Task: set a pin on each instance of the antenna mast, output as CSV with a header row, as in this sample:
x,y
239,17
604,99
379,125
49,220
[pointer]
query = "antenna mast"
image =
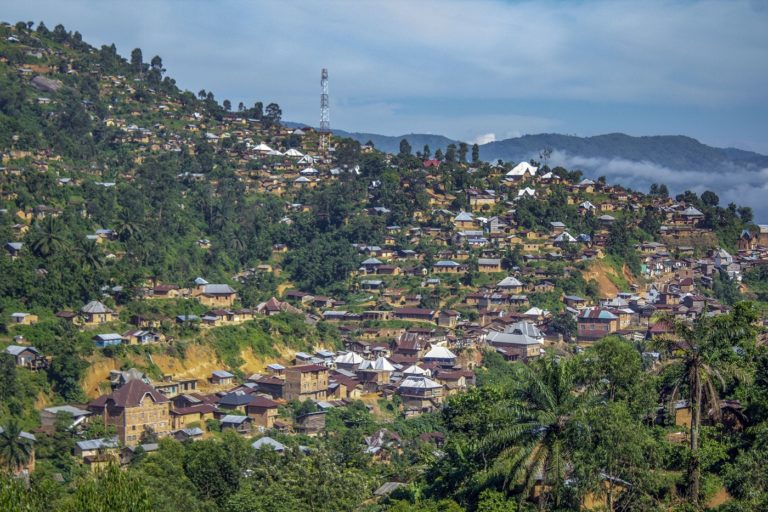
x,y
325,114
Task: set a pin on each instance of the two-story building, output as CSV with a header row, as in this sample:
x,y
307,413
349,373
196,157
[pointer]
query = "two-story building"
x,y
134,409
420,393
596,323
306,382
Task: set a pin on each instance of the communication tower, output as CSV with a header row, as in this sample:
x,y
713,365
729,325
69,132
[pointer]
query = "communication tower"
x,y
325,114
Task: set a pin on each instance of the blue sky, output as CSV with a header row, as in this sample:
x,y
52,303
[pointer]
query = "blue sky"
x,y
470,70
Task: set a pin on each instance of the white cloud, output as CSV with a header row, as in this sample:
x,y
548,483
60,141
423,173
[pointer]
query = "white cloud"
x,y
484,139
732,185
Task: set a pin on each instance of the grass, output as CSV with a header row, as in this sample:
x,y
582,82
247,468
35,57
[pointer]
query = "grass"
x,y
616,276
262,336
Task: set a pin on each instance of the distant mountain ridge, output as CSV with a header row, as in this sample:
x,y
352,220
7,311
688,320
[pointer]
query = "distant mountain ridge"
x,y
671,151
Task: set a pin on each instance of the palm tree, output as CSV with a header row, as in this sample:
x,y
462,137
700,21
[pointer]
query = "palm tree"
x,y
703,355
15,451
531,444
127,228
90,255
47,238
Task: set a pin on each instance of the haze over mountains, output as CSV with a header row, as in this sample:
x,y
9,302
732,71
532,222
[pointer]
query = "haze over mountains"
x,y
679,161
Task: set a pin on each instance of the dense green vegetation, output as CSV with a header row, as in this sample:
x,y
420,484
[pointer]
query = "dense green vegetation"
x,y
559,431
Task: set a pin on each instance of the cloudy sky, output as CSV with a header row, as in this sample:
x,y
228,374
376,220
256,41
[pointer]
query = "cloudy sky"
x,y
474,70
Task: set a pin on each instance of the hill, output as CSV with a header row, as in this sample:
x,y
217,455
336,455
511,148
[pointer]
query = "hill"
x,y
670,151
391,144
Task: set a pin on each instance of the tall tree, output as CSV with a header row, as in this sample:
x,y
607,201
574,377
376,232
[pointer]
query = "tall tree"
x,y
15,450
530,444
272,116
157,63
463,150
704,355
91,257
475,154
137,60
258,110
47,238
405,148
450,153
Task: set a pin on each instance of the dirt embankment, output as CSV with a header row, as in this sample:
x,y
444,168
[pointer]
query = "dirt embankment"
x,y
599,272
96,376
606,277
198,363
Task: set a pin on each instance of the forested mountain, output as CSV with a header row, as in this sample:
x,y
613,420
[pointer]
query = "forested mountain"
x,y
671,151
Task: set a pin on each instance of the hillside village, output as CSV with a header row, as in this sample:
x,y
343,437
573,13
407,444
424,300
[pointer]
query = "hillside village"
x,y
431,262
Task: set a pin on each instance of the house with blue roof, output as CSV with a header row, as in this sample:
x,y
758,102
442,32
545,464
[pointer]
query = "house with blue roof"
x,y
596,323
107,340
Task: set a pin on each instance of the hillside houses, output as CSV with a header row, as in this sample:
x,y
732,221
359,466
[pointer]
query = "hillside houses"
x,y
434,265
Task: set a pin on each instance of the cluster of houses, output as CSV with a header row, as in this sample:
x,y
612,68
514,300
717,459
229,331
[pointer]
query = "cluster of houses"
x,y
418,367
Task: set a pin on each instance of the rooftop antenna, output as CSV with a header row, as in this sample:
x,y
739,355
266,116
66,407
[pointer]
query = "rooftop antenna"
x,y
325,114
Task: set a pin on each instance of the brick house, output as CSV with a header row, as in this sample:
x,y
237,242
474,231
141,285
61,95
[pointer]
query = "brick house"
x,y
215,295
596,323
133,409
306,382
263,411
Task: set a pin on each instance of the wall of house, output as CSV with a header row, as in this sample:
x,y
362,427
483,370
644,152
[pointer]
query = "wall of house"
x,y
217,300
305,385
132,422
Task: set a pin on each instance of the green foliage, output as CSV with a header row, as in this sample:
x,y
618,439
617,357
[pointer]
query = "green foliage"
x,y
299,482
620,244
15,450
109,490
725,289
260,336
564,324
616,365
323,266
495,370
571,420
212,470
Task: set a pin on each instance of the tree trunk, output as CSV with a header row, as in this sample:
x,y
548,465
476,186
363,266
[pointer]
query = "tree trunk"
x,y
694,465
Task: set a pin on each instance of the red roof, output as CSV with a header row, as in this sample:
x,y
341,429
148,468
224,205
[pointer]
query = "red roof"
x,y
263,402
661,327
130,395
348,382
194,409
165,287
307,368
